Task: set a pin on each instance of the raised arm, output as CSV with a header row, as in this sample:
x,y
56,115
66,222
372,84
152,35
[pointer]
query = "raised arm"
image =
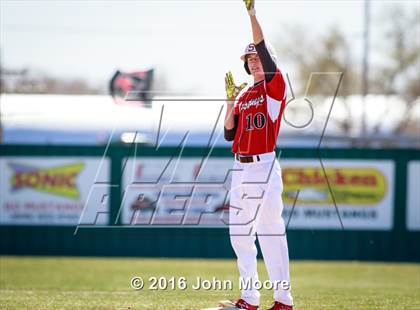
x,y
257,33
266,56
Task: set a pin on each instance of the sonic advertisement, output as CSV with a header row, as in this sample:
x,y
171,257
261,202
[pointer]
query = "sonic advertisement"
x,y
52,191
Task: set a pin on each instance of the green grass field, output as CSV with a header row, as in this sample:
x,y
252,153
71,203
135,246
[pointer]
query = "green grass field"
x,y
104,283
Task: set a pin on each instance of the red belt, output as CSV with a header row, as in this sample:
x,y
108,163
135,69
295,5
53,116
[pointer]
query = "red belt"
x,y
246,159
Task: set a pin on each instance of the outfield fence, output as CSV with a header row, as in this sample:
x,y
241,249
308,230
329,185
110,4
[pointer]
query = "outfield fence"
x,y
341,204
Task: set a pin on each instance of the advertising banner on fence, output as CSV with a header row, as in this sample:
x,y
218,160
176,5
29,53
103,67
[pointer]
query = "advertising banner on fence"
x,y
413,195
357,194
161,191
54,191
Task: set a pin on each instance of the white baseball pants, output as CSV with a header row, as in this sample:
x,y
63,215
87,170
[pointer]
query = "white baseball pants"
x,y
255,210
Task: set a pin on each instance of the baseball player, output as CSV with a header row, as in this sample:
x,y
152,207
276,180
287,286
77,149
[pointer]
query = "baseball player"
x,y
252,122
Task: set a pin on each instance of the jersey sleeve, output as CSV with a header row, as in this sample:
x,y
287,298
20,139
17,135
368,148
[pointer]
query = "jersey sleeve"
x,y
275,84
276,95
276,88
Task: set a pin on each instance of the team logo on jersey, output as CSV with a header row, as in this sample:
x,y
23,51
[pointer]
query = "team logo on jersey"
x,y
59,180
252,102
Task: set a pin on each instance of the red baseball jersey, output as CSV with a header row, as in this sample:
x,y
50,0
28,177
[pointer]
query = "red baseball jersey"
x,y
259,111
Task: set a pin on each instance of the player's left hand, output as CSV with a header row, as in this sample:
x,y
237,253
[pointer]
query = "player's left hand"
x,y
232,91
249,4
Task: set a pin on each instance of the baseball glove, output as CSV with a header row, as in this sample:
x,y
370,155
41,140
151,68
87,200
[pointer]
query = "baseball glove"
x,y
249,4
232,91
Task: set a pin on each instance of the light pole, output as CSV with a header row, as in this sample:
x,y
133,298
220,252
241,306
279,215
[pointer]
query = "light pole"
x,y
365,68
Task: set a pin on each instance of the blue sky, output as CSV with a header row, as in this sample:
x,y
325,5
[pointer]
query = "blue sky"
x,y
193,43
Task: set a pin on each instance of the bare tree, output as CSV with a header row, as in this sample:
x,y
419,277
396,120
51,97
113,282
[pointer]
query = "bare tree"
x,y
399,72
26,81
329,53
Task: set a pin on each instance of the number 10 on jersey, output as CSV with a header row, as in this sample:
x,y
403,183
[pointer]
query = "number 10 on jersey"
x,y
255,121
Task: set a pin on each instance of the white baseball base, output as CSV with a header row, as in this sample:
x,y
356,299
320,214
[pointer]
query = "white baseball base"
x,y
224,305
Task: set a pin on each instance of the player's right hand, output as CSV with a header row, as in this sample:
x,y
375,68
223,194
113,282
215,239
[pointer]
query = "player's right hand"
x,y
232,91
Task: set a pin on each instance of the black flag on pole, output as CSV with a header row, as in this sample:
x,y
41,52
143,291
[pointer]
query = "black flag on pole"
x,y
132,87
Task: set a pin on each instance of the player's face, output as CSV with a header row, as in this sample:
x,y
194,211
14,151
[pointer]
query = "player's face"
x,y
255,65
